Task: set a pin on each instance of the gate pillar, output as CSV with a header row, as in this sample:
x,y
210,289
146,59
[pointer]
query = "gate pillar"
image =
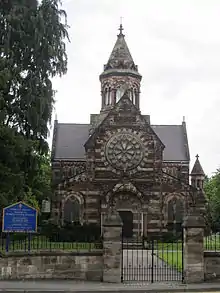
x,y
112,248
193,252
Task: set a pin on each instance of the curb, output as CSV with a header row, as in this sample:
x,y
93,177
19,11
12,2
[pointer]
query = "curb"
x,y
133,290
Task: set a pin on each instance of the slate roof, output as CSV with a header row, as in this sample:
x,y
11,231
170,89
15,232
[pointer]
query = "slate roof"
x,y
70,140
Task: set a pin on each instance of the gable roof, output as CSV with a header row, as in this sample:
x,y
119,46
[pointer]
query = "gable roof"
x,y
70,139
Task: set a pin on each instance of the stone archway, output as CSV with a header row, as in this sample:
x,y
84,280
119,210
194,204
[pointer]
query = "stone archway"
x,y
130,209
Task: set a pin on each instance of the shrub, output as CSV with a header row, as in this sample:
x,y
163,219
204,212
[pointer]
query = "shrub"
x,y
72,232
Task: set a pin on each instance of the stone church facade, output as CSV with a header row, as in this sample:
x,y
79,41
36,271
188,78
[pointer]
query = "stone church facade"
x,y
121,161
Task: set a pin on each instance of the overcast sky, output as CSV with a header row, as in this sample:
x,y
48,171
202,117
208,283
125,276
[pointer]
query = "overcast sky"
x,y
175,43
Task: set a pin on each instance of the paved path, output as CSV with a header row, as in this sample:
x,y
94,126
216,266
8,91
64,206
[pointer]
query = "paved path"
x,y
140,265
62,286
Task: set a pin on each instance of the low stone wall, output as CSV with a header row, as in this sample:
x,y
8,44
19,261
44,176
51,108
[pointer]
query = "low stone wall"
x,y
212,265
53,265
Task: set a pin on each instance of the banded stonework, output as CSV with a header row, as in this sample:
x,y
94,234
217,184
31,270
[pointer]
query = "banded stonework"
x,y
121,161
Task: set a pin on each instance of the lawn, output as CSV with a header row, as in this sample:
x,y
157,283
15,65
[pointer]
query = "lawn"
x,y
210,243
172,258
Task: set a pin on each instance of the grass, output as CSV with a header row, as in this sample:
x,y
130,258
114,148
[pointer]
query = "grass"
x,y
211,243
172,258
43,243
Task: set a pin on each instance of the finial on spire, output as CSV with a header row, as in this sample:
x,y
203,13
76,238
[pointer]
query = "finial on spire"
x,y
184,119
121,28
197,156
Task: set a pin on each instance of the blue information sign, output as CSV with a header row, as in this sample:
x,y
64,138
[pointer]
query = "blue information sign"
x,y
19,217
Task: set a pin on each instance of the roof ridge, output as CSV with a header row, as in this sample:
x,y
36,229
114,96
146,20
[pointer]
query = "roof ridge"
x,y
166,124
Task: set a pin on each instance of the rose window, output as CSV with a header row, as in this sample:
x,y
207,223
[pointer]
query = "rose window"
x,y
124,151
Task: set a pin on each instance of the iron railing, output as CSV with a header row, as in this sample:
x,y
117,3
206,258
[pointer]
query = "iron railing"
x,y
212,242
38,242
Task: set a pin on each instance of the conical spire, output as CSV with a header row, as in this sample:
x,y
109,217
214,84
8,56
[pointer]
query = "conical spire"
x,y
197,168
120,57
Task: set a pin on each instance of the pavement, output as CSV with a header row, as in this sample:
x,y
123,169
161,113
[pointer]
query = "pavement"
x,y
64,286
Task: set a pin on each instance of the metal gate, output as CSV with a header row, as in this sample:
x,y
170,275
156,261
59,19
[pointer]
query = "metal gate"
x,y
152,260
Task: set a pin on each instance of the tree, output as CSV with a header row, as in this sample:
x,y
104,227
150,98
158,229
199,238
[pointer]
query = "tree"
x,y
32,39
212,191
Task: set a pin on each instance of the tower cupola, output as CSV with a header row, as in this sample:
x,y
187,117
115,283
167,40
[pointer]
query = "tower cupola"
x,y
120,74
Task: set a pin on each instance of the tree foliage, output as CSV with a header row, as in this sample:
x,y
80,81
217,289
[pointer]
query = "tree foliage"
x,y
32,41
212,191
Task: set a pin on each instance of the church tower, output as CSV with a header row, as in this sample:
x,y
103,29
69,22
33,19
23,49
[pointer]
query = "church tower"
x,y
120,74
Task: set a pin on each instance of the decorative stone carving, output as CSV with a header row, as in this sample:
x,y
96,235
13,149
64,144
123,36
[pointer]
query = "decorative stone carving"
x,y
124,151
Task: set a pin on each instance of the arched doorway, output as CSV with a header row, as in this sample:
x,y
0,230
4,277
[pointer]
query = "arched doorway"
x,y
126,201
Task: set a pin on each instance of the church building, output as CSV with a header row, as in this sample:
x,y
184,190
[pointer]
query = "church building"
x,y
120,161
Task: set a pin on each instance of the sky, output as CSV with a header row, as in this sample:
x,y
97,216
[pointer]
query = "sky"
x,y
176,45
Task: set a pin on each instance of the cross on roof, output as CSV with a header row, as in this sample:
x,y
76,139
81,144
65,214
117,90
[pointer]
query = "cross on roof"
x,y
197,156
120,27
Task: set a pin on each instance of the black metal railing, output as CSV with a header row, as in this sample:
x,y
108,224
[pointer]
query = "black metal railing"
x,y
38,242
212,242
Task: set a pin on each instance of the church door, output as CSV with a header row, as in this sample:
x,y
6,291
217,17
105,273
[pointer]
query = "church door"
x,y
127,220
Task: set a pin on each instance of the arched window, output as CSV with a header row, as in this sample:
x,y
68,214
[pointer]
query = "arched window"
x,y
106,96
109,96
118,94
135,97
72,210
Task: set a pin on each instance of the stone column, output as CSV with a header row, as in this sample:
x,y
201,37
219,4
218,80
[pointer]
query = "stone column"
x,y
112,248
193,248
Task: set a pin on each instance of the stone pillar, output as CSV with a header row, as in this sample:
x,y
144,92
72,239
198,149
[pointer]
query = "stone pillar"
x,y
193,248
112,248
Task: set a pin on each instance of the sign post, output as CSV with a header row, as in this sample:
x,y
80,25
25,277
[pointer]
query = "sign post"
x,y
19,218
